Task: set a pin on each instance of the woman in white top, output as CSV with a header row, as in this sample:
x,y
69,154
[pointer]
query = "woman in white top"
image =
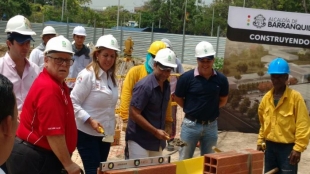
x,y
94,98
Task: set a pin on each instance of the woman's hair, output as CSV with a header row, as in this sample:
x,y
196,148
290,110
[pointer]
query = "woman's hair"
x,y
95,64
7,98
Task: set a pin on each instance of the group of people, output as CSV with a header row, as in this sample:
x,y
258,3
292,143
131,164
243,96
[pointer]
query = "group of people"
x,y
55,116
64,97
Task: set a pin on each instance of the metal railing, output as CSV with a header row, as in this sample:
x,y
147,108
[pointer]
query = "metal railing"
x,y
142,40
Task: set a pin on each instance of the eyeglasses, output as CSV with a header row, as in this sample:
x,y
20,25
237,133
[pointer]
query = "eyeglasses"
x,y
164,68
60,61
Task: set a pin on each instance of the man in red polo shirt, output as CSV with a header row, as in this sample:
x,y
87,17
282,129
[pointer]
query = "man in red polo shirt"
x,y
47,133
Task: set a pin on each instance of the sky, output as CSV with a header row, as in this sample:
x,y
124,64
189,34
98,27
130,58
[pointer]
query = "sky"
x,y
128,4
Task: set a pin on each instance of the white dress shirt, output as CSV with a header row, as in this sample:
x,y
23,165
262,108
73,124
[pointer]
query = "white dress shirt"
x,y
37,57
21,85
94,98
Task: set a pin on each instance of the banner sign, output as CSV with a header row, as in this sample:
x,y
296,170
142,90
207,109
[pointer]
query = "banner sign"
x,y
268,27
255,37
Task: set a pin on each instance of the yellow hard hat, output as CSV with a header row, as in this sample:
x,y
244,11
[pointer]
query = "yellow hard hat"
x,y
156,46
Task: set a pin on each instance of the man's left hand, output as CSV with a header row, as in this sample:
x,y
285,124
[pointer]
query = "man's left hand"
x,y
294,157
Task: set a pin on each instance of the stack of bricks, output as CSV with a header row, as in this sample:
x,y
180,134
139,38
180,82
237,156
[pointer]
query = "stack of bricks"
x,y
157,169
234,162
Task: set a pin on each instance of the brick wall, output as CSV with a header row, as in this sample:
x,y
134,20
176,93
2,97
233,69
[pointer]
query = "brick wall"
x,y
234,162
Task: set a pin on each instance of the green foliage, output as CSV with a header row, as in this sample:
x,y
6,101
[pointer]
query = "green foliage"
x,y
218,64
169,14
14,7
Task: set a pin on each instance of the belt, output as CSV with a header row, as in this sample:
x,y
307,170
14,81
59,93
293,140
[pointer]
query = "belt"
x,y
34,147
200,121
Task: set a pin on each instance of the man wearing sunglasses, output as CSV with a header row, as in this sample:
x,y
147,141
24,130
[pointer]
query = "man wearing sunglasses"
x,y
145,133
201,92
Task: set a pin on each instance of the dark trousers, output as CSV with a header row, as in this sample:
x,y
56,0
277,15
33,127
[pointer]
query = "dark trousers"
x,y
92,151
277,155
29,159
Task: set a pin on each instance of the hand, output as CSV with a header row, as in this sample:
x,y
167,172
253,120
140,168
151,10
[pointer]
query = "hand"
x,y
168,127
95,124
294,157
260,148
162,135
98,171
73,168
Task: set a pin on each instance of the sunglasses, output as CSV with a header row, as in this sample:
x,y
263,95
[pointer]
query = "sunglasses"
x,y
164,68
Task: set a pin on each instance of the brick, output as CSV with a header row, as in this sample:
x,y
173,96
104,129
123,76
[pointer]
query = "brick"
x,y
257,165
228,160
256,155
257,171
234,168
157,169
209,157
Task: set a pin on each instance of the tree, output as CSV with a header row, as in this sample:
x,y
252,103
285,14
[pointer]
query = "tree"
x,y
242,67
246,101
252,112
226,71
234,103
237,77
243,108
260,74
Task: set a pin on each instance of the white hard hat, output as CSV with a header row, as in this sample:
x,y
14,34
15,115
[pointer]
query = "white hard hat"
x,y
204,49
59,44
19,24
166,57
108,41
167,42
79,30
48,30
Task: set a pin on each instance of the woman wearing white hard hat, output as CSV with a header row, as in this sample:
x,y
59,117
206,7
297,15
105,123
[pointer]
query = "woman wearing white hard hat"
x,y
94,98
47,136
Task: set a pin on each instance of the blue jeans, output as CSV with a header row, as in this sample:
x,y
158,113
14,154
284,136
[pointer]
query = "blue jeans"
x,y
276,155
92,151
193,132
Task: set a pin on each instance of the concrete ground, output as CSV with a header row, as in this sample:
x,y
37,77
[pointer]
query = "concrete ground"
x,y
227,141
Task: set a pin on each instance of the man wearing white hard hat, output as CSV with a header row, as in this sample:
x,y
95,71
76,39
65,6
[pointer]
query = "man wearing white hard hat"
x,y
81,55
145,134
36,55
173,82
201,92
14,65
46,136
94,98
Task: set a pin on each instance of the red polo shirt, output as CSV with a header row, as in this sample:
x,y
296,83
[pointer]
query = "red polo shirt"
x,y
47,111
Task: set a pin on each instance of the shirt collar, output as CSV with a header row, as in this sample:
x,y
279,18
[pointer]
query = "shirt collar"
x,y
154,82
196,72
101,72
285,94
10,61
